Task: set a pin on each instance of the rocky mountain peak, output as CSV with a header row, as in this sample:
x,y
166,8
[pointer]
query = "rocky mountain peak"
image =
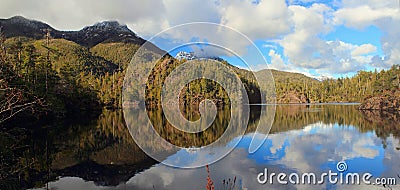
x,y
107,26
185,55
101,32
19,19
20,26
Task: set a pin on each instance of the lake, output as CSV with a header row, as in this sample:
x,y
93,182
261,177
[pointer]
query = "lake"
x,y
101,154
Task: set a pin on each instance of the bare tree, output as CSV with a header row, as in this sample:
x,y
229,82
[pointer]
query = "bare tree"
x,y
3,54
14,103
13,100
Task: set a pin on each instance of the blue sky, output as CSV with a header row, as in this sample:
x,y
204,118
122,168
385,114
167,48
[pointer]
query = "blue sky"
x,y
368,35
314,37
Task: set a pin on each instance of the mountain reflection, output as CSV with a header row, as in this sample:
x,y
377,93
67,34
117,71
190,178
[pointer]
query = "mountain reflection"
x,y
303,138
316,148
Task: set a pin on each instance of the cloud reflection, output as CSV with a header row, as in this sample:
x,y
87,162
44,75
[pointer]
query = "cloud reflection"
x,y
316,148
295,145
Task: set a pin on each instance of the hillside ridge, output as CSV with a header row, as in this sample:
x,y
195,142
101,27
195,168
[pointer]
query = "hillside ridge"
x,y
89,36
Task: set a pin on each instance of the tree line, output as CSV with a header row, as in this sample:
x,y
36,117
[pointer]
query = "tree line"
x,y
59,77
363,85
54,77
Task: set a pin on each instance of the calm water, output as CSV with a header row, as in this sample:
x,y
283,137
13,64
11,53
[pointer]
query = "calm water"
x,y
101,154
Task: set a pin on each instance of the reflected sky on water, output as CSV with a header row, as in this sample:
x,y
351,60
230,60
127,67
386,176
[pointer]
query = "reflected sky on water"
x,y
303,139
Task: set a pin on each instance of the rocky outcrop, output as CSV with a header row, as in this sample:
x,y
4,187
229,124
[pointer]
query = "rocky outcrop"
x,y
292,98
384,123
388,102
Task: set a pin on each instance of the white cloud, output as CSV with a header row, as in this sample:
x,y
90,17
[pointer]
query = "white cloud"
x,y
264,20
362,16
182,11
363,49
384,15
305,48
271,46
375,4
343,60
299,30
276,61
303,43
267,19
74,15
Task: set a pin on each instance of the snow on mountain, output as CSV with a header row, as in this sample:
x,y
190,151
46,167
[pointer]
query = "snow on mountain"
x,y
185,55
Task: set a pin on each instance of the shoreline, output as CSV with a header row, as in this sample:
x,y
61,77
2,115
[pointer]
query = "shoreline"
x,y
277,104
323,103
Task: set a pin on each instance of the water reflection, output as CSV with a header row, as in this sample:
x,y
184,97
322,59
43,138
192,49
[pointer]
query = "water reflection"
x,y
303,140
312,138
99,150
316,150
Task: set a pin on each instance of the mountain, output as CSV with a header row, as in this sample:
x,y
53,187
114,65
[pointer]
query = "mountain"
x,y
322,78
20,26
185,55
103,32
99,34
100,53
283,76
90,36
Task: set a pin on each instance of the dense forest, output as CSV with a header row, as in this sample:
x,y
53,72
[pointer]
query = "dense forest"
x,y
52,74
55,77
48,75
297,88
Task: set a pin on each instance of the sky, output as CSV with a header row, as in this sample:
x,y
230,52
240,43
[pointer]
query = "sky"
x,y
314,37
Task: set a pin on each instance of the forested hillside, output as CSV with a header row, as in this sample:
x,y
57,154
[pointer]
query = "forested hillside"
x,y
297,88
48,72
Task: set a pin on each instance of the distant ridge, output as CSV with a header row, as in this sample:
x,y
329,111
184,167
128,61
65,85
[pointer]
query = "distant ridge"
x,y
89,36
112,31
20,26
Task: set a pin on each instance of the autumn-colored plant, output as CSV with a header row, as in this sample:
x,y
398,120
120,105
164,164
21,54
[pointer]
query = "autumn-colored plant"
x,y
210,182
228,184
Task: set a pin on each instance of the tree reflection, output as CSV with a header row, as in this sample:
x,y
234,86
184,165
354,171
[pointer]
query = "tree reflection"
x,y
102,150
